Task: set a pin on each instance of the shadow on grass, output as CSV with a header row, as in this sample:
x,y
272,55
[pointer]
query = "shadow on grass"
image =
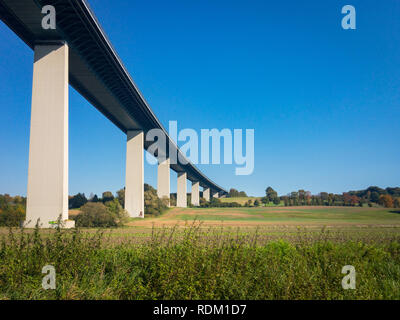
x,y
395,211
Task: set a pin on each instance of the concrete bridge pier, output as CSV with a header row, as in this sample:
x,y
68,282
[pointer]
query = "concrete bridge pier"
x,y
215,195
47,194
163,180
134,180
195,198
206,194
181,194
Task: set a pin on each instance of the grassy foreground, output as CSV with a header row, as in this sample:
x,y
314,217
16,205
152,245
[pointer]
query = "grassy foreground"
x,y
196,263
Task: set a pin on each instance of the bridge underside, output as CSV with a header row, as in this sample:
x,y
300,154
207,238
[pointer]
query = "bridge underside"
x,y
93,69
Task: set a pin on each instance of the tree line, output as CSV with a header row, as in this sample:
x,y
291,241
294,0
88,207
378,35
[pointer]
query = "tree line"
x,y
372,196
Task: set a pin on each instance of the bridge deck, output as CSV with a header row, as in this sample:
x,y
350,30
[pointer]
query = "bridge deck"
x,y
96,71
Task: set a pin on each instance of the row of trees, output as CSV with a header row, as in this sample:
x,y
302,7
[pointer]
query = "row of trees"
x,y
78,200
233,193
389,197
152,204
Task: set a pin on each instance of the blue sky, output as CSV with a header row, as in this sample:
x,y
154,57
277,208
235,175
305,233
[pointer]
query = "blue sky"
x,y
324,102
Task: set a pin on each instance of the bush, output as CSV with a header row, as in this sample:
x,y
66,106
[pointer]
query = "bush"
x,y
152,203
98,215
12,216
217,203
120,216
12,210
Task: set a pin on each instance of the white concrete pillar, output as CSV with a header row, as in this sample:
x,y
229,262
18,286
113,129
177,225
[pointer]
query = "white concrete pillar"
x,y
47,195
134,180
195,198
181,194
163,180
215,195
206,194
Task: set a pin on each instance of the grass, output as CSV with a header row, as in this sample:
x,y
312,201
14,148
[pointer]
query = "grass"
x,y
275,253
282,215
197,263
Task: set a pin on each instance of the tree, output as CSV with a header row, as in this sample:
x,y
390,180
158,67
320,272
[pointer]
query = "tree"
x,y
256,203
375,196
77,201
233,193
346,198
386,201
276,201
119,215
242,194
107,196
121,197
271,194
265,200
294,196
354,200
396,202
152,203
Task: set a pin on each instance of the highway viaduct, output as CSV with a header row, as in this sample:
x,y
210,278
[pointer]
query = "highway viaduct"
x,y
78,53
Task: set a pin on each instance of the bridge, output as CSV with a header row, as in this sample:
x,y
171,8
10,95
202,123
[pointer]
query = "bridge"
x,y
77,52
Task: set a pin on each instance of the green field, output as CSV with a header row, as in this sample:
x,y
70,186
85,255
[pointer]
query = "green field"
x,y
280,215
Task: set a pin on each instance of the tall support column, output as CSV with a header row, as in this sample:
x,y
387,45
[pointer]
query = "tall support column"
x,y
181,195
163,180
215,195
134,181
47,195
206,194
195,198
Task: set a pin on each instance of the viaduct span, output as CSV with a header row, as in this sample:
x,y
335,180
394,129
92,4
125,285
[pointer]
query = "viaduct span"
x,y
77,52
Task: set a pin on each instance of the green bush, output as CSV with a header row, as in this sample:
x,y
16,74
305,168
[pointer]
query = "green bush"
x,y
98,215
217,203
153,205
12,216
12,210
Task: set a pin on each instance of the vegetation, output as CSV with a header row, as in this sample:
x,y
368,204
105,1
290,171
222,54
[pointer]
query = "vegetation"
x,y
195,263
77,201
289,216
98,215
233,193
217,203
12,210
372,196
152,203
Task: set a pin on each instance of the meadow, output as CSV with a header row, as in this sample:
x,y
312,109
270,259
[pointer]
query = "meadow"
x,y
212,253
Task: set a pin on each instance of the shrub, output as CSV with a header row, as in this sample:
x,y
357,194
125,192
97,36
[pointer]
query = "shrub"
x,y
12,215
216,203
152,203
97,215
120,216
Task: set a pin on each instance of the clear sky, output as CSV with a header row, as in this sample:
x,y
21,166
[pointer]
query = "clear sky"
x,y
324,102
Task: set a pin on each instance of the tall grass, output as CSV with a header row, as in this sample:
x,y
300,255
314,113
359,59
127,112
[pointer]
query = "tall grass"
x,y
193,263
